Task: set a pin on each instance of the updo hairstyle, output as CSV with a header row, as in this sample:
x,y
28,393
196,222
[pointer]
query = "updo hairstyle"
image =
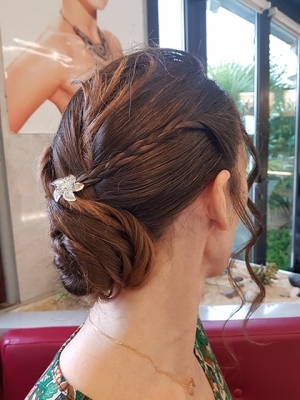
x,y
146,135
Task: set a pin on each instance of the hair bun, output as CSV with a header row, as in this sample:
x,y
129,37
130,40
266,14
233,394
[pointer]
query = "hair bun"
x,y
71,273
100,250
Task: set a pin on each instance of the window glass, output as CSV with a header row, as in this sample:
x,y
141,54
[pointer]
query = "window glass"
x,y
171,24
231,60
231,55
283,73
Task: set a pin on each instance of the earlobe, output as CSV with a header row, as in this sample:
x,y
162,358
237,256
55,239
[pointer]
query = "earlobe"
x,y
217,205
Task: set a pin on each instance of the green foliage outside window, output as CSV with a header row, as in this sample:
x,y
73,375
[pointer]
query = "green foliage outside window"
x,y
238,79
279,247
235,79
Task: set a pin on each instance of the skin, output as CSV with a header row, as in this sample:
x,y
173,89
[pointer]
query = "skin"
x,y
44,69
159,319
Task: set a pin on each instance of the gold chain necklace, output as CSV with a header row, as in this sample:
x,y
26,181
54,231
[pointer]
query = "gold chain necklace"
x,y
190,386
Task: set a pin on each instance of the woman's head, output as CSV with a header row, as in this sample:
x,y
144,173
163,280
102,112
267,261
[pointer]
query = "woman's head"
x,y
146,135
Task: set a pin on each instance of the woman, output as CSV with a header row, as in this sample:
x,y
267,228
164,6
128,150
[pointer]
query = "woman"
x,y
68,47
145,182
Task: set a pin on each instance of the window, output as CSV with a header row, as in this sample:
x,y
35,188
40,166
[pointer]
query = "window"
x,y
231,60
281,145
235,43
171,24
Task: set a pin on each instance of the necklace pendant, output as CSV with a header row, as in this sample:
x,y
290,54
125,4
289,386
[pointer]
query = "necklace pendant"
x,y
192,387
99,50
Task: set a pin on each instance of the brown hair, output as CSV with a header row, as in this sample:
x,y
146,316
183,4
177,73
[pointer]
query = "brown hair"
x,y
145,135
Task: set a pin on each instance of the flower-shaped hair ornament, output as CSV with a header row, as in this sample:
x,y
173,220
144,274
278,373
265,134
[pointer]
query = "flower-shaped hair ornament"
x,y
66,187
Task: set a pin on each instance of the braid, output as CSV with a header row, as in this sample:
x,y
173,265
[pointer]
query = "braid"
x,y
138,150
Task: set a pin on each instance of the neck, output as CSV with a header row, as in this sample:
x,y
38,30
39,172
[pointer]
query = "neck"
x,y
160,318
83,17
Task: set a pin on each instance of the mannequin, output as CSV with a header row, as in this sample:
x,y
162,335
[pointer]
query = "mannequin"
x,y
45,69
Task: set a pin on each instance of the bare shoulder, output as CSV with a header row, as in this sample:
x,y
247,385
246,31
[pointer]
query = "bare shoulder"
x,y
113,43
63,43
49,52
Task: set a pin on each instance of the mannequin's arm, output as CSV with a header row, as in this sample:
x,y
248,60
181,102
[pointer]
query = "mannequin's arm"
x,y
31,78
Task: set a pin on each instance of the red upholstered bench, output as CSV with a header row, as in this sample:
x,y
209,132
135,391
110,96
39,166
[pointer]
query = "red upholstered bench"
x,y
25,354
264,372
269,371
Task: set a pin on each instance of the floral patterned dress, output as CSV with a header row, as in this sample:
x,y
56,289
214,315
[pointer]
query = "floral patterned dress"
x,y
53,386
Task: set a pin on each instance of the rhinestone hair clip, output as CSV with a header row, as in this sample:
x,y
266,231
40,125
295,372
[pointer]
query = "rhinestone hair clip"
x,y
66,187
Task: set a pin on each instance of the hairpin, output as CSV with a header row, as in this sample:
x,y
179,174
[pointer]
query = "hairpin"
x,y
66,187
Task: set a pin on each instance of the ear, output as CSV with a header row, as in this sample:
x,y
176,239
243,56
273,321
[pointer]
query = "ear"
x,y
217,200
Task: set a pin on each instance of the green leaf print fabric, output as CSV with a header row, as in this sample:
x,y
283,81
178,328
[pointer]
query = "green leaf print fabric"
x,y
53,386
210,365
